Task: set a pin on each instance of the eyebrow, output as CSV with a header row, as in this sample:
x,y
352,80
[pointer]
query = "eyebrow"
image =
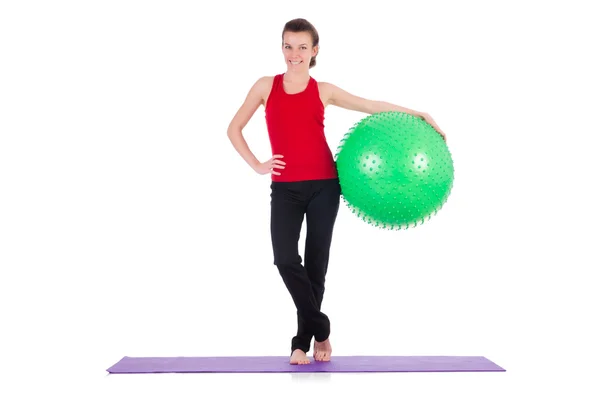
x,y
298,44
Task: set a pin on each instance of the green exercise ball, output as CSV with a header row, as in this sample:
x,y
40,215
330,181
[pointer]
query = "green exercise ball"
x,y
395,170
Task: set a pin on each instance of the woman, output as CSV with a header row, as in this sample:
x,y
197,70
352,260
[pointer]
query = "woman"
x,y
304,175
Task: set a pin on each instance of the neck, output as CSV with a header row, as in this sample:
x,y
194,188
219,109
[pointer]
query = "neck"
x,y
297,76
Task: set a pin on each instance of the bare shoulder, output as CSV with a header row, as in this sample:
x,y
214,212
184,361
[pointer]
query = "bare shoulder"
x,y
325,86
257,95
265,81
263,86
334,95
326,91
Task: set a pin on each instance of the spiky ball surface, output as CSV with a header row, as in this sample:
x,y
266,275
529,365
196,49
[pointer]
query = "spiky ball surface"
x,y
395,170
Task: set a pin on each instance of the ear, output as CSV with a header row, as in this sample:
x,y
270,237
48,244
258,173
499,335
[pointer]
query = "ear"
x,y
315,51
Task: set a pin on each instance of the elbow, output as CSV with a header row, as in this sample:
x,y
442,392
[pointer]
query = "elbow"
x,y
233,131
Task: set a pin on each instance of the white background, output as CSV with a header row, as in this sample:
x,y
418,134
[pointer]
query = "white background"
x,y
130,226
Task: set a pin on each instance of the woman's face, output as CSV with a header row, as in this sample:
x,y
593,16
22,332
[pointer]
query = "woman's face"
x,y
298,50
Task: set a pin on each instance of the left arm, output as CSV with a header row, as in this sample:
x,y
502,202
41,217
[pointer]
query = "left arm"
x,y
338,97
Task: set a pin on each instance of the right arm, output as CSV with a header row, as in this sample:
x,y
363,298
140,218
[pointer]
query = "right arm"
x,y
234,132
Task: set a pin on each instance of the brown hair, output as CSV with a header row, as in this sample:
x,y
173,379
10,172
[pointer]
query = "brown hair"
x,y
302,25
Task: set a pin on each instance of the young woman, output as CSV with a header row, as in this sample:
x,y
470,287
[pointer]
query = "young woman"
x,y
304,176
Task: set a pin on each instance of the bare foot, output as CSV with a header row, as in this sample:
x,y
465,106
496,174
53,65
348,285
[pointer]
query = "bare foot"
x,y
322,350
299,357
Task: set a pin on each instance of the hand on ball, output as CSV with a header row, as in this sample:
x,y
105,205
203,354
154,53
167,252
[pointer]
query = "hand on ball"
x,y
429,120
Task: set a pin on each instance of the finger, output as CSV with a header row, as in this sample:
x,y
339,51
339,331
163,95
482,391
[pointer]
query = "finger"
x,y
275,172
278,162
277,166
277,156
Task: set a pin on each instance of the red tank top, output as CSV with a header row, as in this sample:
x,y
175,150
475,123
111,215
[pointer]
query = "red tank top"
x,y
295,123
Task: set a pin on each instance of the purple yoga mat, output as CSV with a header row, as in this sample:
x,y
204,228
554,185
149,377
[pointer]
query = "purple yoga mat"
x,y
137,365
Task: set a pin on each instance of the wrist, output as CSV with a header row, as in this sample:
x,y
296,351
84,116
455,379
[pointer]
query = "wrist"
x,y
254,164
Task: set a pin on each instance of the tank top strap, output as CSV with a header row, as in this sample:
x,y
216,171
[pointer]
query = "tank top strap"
x,y
313,88
313,91
278,83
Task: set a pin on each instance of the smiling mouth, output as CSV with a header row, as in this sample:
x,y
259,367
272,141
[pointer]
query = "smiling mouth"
x,y
296,63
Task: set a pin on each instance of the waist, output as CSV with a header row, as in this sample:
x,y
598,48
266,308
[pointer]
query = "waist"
x,y
296,171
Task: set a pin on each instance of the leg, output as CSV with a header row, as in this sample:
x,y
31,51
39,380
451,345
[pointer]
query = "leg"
x,y
288,205
321,215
